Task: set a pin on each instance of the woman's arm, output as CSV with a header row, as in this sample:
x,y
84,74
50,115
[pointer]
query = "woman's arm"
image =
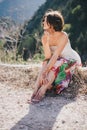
x,y
62,42
46,48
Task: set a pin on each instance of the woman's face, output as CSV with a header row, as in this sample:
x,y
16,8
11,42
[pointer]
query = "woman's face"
x,y
46,25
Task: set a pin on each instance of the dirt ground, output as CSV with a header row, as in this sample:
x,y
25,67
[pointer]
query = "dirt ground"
x,y
67,111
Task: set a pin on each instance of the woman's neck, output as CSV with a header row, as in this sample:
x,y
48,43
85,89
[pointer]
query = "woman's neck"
x,y
52,32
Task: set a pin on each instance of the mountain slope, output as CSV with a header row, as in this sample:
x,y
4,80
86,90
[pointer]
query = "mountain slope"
x,y
19,10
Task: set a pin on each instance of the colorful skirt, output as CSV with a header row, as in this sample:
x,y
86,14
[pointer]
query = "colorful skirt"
x,y
63,70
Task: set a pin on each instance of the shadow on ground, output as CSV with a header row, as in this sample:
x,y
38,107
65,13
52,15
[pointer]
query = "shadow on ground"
x,y
44,115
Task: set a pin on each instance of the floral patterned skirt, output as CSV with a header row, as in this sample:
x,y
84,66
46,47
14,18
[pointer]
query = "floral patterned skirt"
x,y
63,70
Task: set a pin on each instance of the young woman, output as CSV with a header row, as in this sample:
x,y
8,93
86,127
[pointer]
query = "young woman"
x,y
60,59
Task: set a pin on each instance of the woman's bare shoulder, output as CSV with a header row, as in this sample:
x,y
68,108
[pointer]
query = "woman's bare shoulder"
x,y
64,36
63,39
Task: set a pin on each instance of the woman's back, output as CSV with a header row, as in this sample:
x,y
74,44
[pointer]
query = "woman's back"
x,y
68,52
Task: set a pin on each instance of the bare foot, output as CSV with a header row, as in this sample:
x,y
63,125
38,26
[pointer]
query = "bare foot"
x,y
39,95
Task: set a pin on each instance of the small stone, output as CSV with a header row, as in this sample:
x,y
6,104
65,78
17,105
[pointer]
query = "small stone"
x,y
76,121
21,127
63,122
57,127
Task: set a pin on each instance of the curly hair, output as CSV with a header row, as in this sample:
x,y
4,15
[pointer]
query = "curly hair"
x,y
55,19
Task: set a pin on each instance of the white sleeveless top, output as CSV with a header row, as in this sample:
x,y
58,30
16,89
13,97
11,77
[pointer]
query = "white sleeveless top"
x,y
68,53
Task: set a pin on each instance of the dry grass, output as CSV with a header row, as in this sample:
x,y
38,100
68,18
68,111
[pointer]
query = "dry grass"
x,y
24,77
18,77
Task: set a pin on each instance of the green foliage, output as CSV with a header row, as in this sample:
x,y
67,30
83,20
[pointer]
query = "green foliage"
x,y
78,29
29,43
27,47
1,44
76,9
67,27
38,57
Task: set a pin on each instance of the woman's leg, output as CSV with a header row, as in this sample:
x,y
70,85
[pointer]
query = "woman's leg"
x,y
42,90
38,82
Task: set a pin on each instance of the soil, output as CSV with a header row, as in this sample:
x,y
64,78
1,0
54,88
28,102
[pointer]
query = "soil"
x,y
66,111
